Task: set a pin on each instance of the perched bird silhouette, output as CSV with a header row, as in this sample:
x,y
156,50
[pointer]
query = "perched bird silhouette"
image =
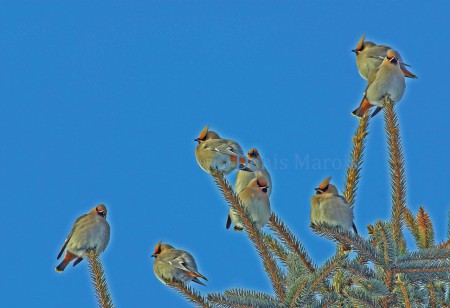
x,y
255,199
216,154
175,264
89,232
329,207
370,55
386,80
244,177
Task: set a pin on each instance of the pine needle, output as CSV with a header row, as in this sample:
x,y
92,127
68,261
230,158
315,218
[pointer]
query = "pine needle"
x,y
188,293
397,171
356,160
255,235
99,280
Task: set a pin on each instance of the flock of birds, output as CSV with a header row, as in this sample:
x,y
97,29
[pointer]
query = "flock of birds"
x,y
385,73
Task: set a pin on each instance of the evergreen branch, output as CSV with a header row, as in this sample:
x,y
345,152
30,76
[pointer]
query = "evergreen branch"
x,y
362,298
425,271
397,172
99,280
411,224
356,160
276,247
188,293
358,270
250,298
289,239
448,225
425,227
432,296
374,287
220,300
327,301
270,265
405,295
321,274
444,245
295,289
383,236
425,255
342,236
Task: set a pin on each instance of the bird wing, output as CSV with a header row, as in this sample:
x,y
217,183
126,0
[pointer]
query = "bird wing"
x,y
70,235
343,199
371,78
223,146
180,259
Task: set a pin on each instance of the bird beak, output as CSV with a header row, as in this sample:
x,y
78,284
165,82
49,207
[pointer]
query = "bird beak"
x,y
153,256
197,139
264,188
355,51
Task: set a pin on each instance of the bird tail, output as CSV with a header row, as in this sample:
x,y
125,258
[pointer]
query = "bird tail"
x,y
406,72
61,266
241,161
198,281
362,108
228,222
67,259
376,111
195,276
354,228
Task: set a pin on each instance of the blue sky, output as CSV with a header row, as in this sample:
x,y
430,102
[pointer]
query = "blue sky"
x,y
101,102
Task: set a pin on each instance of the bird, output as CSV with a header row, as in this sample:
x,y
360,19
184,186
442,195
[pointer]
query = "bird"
x,y
244,177
327,206
175,264
255,199
216,154
386,80
90,231
370,55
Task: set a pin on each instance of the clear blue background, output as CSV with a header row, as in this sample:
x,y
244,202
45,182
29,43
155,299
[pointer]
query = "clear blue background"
x,y
100,102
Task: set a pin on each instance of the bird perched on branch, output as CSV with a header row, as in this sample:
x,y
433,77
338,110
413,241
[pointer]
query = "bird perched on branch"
x,y
216,154
386,80
329,207
370,55
175,264
89,232
244,177
255,199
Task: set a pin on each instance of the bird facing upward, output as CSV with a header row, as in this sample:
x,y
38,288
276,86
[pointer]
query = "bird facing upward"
x,y
386,80
255,199
244,177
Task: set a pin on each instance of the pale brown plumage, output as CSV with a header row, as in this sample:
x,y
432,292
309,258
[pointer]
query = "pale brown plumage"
x,y
255,199
175,264
216,154
90,231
